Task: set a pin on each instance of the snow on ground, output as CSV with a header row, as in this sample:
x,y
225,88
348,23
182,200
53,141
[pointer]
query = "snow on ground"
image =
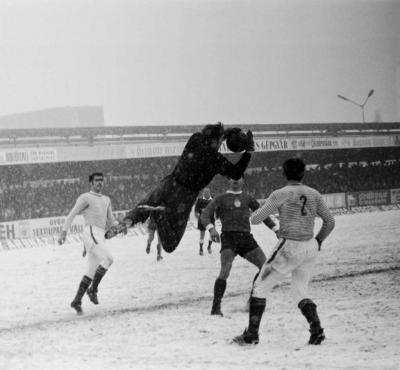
x,y
155,315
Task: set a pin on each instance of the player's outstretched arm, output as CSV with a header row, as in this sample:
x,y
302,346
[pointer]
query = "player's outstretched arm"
x,y
236,170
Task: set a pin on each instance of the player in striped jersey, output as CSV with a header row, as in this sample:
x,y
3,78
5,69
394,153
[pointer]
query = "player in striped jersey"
x,y
97,213
298,205
233,208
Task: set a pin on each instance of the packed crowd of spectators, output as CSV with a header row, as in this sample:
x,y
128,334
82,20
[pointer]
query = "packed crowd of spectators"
x,y
46,190
331,179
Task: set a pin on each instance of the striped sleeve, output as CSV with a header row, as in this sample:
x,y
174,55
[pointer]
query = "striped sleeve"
x,y
268,208
328,221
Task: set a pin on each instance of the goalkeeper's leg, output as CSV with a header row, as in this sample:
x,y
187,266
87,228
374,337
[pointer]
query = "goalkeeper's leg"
x,y
136,215
121,228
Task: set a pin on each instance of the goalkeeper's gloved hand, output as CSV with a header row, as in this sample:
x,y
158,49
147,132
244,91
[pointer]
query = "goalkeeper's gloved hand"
x,y
250,142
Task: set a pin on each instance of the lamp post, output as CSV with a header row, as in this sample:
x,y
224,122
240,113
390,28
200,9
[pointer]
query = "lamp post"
x,y
358,104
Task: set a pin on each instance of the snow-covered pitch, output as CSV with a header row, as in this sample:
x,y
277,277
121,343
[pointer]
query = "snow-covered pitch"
x,y
156,315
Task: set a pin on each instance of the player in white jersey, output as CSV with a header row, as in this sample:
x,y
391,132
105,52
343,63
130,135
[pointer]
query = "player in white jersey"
x,y
97,213
298,205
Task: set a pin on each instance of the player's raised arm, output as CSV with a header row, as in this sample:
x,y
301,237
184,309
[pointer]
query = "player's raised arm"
x,y
231,170
328,221
236,171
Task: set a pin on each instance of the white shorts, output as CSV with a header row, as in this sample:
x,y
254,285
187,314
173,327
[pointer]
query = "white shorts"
x,y
97,251
288,255
92,236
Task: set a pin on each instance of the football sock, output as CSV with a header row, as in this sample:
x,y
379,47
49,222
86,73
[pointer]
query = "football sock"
x,y
257,307
100,272
309,310
219,290
83,286
159,249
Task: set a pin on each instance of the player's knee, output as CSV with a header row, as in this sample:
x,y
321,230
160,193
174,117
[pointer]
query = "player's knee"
x,y
225,271
90,274
258,290
265,272
108,261
299,293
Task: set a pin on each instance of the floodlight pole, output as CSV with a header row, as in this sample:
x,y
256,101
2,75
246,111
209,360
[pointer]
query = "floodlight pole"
x,y
362,106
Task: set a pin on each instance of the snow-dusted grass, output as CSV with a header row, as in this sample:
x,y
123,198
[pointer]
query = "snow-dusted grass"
x,y
155,315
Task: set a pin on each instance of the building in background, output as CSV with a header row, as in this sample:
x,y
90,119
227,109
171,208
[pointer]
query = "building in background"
x,y
58,117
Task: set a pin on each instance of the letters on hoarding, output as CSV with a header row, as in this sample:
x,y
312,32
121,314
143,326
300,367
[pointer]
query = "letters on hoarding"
x,y
336,200
368,198
164,148
373,198
28,155
38,228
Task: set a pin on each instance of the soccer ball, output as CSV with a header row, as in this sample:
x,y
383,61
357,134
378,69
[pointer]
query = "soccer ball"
x,y
236,141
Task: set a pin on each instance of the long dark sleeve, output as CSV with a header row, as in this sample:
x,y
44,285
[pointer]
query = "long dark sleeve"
x,y
234,170
197,207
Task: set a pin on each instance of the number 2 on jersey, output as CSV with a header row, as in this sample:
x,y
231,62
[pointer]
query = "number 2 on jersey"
x,y
303,211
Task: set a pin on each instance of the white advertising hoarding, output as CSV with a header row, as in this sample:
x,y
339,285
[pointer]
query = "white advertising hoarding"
x,y
164,148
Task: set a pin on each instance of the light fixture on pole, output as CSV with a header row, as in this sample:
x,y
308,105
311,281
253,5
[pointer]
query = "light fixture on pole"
x,y
358,104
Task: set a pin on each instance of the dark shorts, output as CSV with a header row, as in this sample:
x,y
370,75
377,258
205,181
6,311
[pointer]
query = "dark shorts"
x,y
240,243
171,223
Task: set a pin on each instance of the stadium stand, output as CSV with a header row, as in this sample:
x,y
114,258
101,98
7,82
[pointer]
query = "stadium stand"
x,y
46,190
35,190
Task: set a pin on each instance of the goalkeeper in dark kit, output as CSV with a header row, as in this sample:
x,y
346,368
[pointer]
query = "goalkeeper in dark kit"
x,y
172,200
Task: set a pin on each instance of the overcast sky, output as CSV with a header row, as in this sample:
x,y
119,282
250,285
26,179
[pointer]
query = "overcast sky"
x,y
200,61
